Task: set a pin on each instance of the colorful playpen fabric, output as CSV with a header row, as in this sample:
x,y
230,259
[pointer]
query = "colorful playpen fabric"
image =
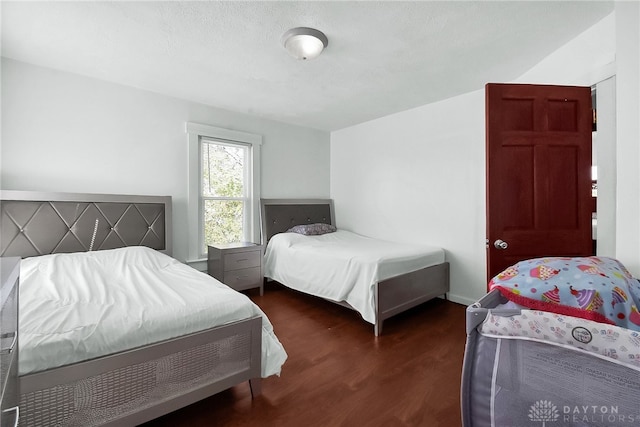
x,y
594,288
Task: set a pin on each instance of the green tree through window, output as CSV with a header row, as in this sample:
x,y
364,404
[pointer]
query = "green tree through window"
x,y
224,191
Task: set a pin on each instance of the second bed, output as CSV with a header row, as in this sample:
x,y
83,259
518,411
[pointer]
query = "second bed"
x,y
377,278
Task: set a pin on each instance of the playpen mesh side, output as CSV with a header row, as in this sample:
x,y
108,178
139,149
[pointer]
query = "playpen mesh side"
x,y
113,394
511,382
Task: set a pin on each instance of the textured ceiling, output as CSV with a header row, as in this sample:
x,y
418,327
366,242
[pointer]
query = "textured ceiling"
x,y
383,57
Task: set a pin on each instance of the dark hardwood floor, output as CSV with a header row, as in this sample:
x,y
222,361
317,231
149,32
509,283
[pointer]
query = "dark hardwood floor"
x,y
339,374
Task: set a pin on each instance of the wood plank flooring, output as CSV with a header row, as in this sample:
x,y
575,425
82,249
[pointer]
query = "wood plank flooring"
x,y
339,374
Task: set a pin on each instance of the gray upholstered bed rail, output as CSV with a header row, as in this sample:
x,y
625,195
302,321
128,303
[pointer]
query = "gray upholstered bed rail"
x,y
39,223
279,215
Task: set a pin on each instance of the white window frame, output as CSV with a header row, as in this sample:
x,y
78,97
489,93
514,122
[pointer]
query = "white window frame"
x,y
196,132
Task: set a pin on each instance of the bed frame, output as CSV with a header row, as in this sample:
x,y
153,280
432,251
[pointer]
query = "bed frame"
x,y
392,296
134,386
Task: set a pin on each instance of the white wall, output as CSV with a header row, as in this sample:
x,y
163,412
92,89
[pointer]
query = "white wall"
x,y
418,176
628,134
67,133
585,60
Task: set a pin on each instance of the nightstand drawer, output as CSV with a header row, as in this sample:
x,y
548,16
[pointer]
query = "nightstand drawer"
x,y
239,260
243,279
237,265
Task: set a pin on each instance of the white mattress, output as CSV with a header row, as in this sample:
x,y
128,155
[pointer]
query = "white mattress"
x,y
343,266
79,306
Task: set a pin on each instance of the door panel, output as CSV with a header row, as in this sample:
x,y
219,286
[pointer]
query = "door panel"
x,y
538,172
517,191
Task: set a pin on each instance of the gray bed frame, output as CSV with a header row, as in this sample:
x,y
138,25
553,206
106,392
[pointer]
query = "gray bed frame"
x,y
134,386
392,296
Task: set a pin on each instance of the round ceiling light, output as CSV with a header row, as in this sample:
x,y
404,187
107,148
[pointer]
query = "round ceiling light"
x,y
304,43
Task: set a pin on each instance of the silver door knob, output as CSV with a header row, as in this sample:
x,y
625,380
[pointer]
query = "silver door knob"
x,y
500,244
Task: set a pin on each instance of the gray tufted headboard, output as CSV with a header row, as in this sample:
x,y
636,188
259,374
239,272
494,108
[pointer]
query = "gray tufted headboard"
x,y
39,223
279,215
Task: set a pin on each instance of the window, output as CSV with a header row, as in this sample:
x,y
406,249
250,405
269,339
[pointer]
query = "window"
x,y
224,191
223,187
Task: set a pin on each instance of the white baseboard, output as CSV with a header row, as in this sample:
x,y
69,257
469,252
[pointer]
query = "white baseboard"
x,y
460,299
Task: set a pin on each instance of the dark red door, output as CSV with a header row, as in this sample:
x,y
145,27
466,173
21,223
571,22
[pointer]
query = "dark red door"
x,y
538,171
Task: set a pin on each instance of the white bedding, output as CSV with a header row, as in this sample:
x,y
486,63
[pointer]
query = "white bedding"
x,y
343,266
79,306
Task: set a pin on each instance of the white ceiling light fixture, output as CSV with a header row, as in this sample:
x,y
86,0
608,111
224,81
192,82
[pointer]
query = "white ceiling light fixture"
x,y
304,43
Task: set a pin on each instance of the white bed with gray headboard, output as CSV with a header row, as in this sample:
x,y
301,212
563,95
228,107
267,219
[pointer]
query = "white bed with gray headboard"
x,y
377,278
70,238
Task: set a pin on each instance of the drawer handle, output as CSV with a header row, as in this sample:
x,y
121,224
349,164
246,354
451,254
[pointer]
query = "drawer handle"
x,y
242,277
15,409
242,260
9,349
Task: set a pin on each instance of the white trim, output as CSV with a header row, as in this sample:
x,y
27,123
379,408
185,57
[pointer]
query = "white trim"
x,y
605,146
195,131
459,299
602,73
222,133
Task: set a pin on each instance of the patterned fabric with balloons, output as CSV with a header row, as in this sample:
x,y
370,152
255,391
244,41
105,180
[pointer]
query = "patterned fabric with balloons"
x,y
594,288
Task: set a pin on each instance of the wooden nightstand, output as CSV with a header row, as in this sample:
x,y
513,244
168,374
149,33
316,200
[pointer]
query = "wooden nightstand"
x,y
237,265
